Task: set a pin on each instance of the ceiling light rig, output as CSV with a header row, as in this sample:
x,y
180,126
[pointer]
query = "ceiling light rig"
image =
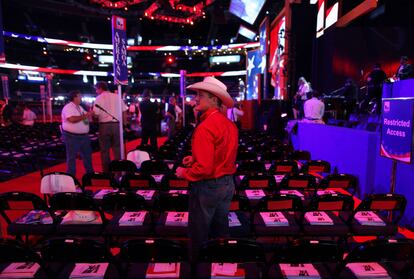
x,y
117,4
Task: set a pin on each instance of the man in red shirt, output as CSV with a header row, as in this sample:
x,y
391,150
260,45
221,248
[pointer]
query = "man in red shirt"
x,y
211,166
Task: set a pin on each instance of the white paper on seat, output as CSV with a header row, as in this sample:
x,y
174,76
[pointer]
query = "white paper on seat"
x,y
318,218
255,194
130,218
79,217
89,270
20,270
325,192
369,218
177,219
368,270
297,271
291,192
101,193
163,270
279,177
274,219
180,192
226,269
157,177
233,220
147,194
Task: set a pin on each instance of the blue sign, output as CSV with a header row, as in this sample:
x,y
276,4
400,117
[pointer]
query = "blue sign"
x,y
119,43
397,129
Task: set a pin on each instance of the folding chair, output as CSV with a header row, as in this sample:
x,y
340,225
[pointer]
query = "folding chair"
x,y
58,182
239,217
256,186
278,215
303,185
272,155
250,167
246,156
122,166
280,168
138,156
65,254
173,214
82,216
306,257
316,166
171,181
336,208
156,169
244,257
142,257
378,214
299,155
15,255
394,256
26,214
130,216
340,181
143,184
93,183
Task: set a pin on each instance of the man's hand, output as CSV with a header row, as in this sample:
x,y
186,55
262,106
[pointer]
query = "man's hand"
x,y
179,172
188,161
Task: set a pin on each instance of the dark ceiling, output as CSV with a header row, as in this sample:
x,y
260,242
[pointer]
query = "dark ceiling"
x,y
87,21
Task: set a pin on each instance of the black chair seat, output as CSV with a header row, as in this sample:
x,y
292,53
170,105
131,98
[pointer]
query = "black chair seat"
x,y
252,270
139,270
113,227
261,229
66,270
162,230
388,229
244,229
80,229
339,228
323,270
33,229
40,274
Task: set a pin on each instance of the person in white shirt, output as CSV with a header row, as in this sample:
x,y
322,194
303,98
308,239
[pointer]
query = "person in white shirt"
x,y
300,97
314,109
106,110
75,129
234,114
29,116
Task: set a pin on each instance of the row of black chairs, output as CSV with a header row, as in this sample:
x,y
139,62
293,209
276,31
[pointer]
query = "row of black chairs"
x,y
278,215
57,258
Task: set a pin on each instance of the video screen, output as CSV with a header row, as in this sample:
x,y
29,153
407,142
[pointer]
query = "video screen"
x,y
247,10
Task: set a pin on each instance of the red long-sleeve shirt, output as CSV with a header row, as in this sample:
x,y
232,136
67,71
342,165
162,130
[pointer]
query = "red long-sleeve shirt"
x,y
214,147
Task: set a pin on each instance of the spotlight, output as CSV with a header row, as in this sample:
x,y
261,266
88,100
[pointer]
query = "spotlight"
x,y
170,59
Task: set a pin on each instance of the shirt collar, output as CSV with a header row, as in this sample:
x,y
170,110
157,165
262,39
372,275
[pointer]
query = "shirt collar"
x,y
208,113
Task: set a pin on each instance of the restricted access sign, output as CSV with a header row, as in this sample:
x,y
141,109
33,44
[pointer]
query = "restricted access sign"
x,y
397,129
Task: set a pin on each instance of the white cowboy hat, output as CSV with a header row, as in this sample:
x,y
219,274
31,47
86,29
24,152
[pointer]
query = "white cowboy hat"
x,y
215,87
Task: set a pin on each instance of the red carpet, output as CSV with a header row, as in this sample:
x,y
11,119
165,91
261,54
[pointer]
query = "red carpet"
x,y
31,181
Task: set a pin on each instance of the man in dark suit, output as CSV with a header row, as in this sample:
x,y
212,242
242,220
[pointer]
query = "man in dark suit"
x,y
405,71
149,112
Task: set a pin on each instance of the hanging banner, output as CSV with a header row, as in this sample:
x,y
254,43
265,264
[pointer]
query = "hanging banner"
x,y
397,129
119,43
2,51
254,60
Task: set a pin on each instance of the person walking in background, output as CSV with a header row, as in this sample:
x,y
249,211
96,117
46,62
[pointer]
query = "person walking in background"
x,y
170,116
234,114
300,97
211,166
29,116
106,109
75,131
149,120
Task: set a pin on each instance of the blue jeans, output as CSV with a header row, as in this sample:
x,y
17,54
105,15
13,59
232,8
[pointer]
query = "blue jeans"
x,y
208,211
74,144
